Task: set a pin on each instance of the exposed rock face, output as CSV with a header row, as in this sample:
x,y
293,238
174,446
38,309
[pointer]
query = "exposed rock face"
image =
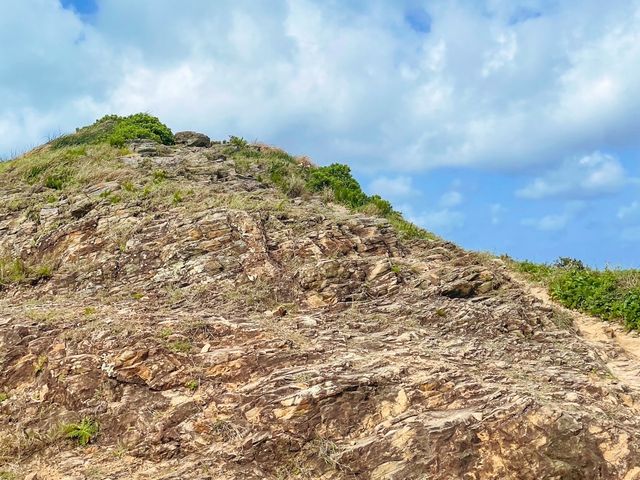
x,y
247,336
192,139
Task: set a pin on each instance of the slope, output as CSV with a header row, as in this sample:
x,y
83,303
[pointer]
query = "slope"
x,y
182,311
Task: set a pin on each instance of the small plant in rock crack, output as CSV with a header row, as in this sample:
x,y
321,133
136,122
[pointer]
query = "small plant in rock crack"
x,y
180,346
159,176
40,363
165,333
3,396
192,385
83,433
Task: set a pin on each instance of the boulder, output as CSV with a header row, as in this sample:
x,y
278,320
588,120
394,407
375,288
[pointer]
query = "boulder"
x,y
192,139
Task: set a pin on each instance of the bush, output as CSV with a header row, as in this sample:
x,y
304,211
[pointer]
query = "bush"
x,y
138,126
608,294
587,290
538,272
568,263
117,130
237,141
338,177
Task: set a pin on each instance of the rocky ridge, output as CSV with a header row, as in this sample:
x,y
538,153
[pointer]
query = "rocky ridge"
x,y
214,328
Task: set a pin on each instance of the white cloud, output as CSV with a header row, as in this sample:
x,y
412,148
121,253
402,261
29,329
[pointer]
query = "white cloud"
x,y
557,221
452,198
594,174
548,222
502,55
395,187
629,211
341,83
496,210
439,220
443,220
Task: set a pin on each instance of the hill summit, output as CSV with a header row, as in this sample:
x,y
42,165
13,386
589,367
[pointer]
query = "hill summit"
x,y
173,307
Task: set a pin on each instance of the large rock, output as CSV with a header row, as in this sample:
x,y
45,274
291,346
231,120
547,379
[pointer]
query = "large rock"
x,y
192,139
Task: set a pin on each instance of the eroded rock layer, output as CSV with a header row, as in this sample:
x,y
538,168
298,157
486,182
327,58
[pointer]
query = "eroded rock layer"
x,y
246,335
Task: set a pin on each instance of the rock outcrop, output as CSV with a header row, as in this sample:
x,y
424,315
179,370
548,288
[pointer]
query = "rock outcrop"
x,y
214,328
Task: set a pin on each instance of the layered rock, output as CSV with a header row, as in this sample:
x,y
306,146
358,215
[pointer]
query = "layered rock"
x,y
248,335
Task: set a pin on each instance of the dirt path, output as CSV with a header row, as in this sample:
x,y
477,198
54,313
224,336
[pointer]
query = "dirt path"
x,y
619,349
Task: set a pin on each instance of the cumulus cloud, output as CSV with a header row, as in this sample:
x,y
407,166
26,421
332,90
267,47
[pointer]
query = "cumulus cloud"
x,y
452,198
439,220
591,175
558,220
392,187
496,85
548,222
443,220
496,211
629,211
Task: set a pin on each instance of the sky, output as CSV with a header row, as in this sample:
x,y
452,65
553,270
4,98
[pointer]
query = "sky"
x,y
508,126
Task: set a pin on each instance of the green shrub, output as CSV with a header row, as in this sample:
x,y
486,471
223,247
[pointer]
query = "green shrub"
x,y
237,141
117,130
83,433
538,272
338,177
140,125
587,290
608,294
568,263
380,206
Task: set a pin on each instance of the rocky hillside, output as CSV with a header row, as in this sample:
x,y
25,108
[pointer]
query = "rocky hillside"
x,y
197,311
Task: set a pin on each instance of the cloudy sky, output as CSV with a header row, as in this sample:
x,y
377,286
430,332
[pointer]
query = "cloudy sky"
x,y
503,125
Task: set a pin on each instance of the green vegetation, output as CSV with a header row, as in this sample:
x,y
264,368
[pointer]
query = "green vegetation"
x,y
180,346
609,294
334,183
3,396
192,385
346,189
92,154
237,141
17,271
40,364
116,131
83,433
61,170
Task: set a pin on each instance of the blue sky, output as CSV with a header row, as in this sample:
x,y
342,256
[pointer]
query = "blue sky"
x,y
507,126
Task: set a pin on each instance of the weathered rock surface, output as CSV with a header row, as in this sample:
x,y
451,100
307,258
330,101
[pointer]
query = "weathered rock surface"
x,y
192,139
240,337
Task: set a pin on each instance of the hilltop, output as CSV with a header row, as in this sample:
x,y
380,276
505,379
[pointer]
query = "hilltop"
x,y
173,307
